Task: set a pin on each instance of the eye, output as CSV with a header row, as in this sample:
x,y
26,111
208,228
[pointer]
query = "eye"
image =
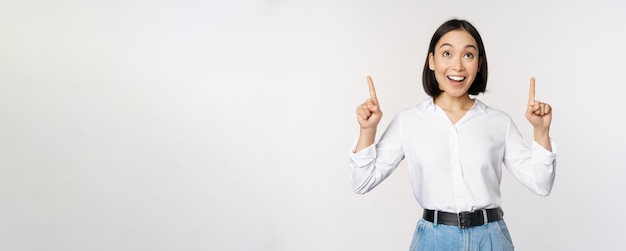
x,y
446,54
469,55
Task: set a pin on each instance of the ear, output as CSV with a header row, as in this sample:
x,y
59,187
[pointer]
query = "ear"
x,y
431,61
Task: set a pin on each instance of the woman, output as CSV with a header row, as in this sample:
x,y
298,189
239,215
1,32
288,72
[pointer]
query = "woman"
x,y
455,146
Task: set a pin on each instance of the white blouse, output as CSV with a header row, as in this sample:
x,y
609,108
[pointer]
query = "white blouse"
x,y
454,167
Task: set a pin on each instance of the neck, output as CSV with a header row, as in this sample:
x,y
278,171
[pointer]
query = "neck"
x,y
446,102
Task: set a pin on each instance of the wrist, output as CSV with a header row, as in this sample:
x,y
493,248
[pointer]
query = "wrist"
x,y
541,132
542,137
367,130
366,138
368,134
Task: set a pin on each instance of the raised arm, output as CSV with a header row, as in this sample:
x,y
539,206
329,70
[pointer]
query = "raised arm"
x,y
539,115
368,115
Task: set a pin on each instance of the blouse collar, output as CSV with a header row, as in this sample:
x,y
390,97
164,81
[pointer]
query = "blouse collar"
x,y
429,104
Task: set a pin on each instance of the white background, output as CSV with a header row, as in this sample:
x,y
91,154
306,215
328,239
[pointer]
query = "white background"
x,y
195,125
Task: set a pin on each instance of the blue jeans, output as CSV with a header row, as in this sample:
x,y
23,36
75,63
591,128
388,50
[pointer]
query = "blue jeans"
x,y
491,236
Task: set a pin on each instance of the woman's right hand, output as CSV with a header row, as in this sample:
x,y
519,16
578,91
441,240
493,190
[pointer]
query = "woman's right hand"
x,y
369,113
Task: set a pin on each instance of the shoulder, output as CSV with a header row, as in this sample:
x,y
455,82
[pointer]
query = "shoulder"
x,y
492,112
417,109
425,105
496,118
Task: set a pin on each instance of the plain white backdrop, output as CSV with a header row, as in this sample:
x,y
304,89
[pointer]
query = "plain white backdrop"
x,y
226,125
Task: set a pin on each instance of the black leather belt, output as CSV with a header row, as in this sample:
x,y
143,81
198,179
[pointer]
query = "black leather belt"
x,y
464,219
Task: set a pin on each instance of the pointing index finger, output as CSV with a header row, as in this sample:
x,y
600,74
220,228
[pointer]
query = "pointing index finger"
x,y
531,94
370,83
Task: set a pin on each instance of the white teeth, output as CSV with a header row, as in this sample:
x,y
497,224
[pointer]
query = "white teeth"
x,y
456,78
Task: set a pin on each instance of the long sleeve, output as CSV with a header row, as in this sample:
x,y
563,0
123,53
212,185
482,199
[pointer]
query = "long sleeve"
x,y
370,166
533,166
454,167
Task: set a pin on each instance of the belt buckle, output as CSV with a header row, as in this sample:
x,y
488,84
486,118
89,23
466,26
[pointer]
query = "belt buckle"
x,y
464,219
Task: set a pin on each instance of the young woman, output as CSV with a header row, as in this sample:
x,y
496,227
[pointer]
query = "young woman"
x,y
455,147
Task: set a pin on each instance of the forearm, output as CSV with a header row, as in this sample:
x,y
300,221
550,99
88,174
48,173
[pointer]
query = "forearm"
x,y
366,139
542,137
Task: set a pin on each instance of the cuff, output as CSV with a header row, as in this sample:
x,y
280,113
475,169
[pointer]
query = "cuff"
x,y
543,155
363,157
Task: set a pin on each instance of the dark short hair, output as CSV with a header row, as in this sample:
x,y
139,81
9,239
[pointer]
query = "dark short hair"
x,y
431,86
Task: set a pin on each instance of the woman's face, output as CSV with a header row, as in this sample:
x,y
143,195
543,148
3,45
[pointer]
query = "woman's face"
x,y
455,62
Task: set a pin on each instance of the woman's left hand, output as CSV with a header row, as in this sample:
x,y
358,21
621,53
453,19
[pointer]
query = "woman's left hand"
x,y
539,114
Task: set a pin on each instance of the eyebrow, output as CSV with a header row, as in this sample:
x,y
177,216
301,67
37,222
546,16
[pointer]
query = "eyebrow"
x,y
467,46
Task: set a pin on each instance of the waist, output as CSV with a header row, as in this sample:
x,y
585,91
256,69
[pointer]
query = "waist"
x,y
464,219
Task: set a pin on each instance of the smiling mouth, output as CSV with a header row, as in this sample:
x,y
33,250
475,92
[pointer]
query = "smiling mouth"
x,y
456,78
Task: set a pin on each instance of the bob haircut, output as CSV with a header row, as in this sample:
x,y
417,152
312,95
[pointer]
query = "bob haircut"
x,y
431,86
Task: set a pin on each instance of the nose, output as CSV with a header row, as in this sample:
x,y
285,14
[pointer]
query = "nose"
x,y
458,64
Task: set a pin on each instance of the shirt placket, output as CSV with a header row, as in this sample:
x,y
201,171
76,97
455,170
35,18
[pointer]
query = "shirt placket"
x,y
457,168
